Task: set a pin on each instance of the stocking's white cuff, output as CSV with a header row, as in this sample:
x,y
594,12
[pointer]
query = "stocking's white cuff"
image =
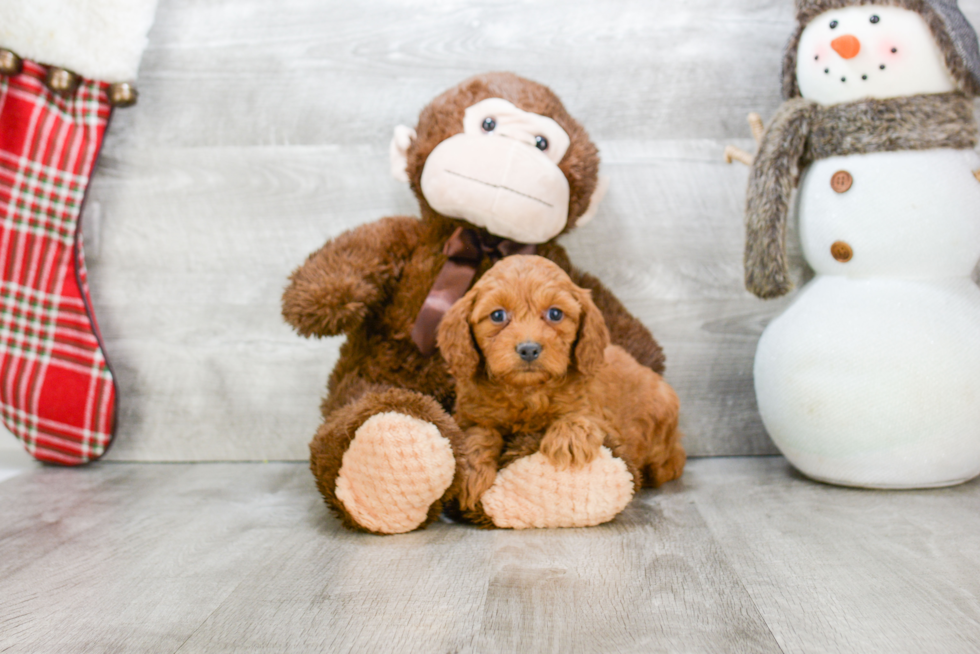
x,y
98,39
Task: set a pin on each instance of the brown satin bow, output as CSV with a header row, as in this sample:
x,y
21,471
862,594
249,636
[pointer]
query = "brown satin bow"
x,y
465,249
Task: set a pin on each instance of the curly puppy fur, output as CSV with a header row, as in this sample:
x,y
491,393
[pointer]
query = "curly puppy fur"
x,y
578,394
369,284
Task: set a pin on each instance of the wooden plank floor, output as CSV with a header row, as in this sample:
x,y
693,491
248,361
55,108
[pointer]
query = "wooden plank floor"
x,y
742,555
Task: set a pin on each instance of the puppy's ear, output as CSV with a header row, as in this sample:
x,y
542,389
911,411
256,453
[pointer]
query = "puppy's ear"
x,y
593,337
455,339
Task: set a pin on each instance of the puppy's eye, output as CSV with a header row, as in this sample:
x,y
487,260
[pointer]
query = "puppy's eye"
x,y
489,124
541,143
555,314
498,316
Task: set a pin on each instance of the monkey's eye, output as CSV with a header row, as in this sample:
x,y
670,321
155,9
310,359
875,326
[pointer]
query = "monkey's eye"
x,y
833,24
541,143
555,314
874,19
498,316
489,124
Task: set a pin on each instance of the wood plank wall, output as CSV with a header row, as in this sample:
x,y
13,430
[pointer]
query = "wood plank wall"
x,y
263,128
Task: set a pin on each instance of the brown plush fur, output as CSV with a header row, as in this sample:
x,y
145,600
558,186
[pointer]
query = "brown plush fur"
x,y
803,131
577,395
807,10
369,283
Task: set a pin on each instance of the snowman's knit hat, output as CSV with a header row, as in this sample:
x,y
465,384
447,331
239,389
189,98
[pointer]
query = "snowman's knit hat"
x,y
953,33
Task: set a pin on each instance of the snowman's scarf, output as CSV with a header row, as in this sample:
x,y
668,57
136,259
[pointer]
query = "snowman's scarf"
x,y
803,131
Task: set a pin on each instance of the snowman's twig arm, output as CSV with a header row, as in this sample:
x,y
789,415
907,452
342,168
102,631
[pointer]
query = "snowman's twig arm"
x,y
757,126
737,154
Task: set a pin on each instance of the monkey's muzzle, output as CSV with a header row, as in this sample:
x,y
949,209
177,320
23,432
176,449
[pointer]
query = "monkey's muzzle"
x,y
508,187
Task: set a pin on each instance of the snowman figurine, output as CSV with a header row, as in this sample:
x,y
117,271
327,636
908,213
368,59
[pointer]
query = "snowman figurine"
x,y
871,377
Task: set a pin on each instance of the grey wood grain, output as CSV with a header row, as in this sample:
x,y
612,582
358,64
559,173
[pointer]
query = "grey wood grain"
x,y
305,72
129,558
262,130
845,570
651,582
224,557
740,555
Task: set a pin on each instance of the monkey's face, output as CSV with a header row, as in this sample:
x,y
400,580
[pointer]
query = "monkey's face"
x,y
494,153
501,173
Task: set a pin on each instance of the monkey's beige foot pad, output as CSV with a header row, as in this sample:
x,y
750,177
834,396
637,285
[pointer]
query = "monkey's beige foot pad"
x,y
393,471
533,493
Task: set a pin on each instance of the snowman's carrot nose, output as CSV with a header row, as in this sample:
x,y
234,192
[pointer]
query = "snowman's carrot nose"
x,y
846,46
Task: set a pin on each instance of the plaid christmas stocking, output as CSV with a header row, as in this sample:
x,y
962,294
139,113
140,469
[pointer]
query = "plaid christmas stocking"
x,y
56,390
57,393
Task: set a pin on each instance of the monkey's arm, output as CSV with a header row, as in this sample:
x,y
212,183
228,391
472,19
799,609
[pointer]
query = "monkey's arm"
x,y
338,284
624,330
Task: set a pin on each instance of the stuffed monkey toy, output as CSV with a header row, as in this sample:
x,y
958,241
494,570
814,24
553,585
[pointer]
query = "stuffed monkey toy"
x,y
498,167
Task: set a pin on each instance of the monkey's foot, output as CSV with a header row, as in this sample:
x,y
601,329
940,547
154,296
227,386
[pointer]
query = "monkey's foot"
x,y
396,467
530,492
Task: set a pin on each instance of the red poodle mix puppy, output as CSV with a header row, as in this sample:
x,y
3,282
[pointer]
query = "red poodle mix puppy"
x,y
535,373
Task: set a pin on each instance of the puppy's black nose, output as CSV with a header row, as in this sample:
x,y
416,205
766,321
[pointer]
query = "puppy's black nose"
x,y
529,350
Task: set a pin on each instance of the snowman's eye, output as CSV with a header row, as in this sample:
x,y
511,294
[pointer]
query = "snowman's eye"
x,y
874,19
833,24
541,143
489,124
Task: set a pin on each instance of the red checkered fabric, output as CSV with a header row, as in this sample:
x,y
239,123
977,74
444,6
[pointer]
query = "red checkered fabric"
x,y
56,391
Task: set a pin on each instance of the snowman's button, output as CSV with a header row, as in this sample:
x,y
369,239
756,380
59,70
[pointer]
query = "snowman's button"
x,y
841,251
841,181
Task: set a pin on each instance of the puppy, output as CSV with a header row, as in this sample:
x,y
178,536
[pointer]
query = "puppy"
x,y
535,371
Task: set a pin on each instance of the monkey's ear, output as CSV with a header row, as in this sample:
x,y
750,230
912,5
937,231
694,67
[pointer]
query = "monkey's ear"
x,y
455,338
601,186
398,151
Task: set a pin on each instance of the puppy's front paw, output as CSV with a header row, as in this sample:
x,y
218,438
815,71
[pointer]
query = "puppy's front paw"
x,y
478,464
572,442
474,485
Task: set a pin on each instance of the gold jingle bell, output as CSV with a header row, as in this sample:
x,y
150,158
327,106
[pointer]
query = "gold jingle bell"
x,y
61,81
122,94
10,63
